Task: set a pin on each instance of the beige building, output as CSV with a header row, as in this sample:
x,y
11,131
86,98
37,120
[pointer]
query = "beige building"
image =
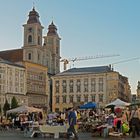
x,y
80,85
12,83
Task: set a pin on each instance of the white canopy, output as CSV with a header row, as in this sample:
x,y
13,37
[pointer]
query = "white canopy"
x,y
118,102
24,109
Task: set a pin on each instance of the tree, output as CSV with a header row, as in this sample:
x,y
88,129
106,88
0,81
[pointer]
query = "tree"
x,y
6,107
14,103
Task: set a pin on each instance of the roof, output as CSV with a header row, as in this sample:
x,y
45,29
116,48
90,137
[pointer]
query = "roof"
x,y
10,63
33,17
52,30
15,55
86,70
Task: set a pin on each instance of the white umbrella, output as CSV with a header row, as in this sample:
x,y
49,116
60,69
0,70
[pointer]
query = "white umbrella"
x,y
24,109
118,102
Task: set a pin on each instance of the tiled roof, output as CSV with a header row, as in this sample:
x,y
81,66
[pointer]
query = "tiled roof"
x,y
15,55
85,70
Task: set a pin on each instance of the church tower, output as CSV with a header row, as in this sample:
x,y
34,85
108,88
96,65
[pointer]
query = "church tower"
x,y
138,90
32,45
52,50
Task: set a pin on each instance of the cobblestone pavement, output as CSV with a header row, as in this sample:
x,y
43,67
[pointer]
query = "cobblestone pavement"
x,y
17,135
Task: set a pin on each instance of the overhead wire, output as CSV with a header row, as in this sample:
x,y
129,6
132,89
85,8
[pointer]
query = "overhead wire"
x,y
127,60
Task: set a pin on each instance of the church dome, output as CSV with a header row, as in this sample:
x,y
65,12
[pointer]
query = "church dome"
x,y
52,30
33,17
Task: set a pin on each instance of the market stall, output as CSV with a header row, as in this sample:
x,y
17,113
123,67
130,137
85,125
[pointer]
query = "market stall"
x,y
118,102
89,105
24,109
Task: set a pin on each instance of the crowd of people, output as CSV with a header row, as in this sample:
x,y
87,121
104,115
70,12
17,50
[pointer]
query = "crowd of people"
x,y
120,120
125,121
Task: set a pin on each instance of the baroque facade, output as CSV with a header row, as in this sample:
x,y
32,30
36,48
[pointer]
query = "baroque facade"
x,y
47,54
81,85
41,59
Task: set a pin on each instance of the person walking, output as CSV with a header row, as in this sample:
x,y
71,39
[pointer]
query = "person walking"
x,y
135,121
72,120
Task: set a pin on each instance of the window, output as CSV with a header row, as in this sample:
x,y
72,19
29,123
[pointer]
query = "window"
x,y
71,86
85,85
93,98
100,97
29,39
78,85
64,98
71,98
57,86
64,85
30,30
86,98
93,85
78,98
57,99
100,84
29,56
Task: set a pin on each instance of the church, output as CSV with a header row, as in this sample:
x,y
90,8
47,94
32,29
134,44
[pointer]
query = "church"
x,y
40,55
36,50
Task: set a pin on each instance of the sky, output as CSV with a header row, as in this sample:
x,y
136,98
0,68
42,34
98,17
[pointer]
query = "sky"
x,y
86,27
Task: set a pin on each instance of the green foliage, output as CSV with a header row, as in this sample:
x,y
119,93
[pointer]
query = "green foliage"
x,y
6,107
14,103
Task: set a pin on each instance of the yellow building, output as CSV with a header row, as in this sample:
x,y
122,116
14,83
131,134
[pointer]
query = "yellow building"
x,y
80,85
37,85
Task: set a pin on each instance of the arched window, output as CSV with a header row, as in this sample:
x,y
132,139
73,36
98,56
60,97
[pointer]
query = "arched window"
x,y
29,56
29,39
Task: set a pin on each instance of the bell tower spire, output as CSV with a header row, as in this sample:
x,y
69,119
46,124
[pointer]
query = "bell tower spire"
x,y
32,44
52,48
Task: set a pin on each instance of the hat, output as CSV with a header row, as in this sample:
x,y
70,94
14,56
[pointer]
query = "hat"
x,y
118,110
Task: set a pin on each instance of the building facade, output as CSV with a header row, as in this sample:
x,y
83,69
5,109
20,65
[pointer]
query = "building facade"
x,y
12,83
81,85
37,85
